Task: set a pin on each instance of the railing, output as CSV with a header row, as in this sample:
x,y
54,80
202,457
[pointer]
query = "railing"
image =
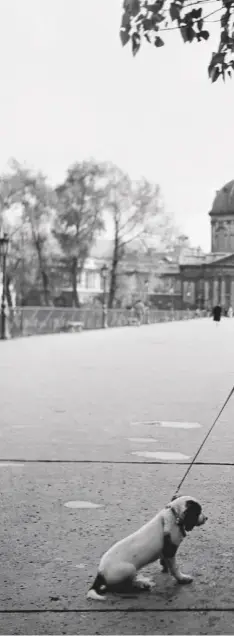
x,y
28,321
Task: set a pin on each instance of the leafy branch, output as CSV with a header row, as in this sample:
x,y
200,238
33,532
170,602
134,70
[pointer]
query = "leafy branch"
x,y
146,19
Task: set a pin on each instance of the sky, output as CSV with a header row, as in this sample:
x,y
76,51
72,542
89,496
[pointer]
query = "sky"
x,y
70,91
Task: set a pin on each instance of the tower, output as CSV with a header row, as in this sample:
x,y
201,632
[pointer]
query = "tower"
x,y
222,220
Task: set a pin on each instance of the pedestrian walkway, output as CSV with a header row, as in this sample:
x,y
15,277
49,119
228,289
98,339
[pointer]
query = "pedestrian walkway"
x,y
96,431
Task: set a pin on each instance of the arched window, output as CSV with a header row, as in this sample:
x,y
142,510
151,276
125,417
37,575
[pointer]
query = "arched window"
x,y
220,245
214,237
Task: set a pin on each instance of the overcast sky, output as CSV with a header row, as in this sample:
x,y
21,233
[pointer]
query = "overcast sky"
x,y
69,91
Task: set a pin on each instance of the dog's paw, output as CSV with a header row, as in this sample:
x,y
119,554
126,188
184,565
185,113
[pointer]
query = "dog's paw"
x,y
164,566
143,583
185,579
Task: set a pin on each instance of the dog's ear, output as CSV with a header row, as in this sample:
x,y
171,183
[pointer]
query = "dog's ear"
x,y
191,514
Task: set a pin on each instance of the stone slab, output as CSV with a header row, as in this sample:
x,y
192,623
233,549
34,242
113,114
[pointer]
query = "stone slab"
x,y
50,553
98,622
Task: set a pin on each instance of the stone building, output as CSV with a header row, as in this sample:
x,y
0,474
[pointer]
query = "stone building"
x,y
209,278
180,277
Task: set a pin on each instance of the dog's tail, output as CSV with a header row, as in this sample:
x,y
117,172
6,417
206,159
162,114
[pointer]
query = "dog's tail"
x,y
98,588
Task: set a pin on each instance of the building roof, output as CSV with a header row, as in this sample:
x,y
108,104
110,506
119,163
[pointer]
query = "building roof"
x,y
203,259
166,262
224,200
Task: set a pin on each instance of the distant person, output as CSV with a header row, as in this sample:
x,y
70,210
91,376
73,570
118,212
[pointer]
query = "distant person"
x,y
139,311
217,311
230,312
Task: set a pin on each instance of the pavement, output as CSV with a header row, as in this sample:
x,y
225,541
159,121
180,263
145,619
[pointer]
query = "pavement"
x,y
113,418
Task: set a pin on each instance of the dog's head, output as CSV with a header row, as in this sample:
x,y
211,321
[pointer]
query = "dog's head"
x,y
188,511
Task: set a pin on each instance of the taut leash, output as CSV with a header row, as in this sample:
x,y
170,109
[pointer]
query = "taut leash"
x,y
202,444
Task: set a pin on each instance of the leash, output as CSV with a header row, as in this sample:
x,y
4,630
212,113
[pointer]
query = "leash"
x,y
202,444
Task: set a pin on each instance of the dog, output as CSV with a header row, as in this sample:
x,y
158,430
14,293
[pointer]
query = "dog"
x,y
157,539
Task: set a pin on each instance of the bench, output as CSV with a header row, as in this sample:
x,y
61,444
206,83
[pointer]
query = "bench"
x,y
133,322
73,327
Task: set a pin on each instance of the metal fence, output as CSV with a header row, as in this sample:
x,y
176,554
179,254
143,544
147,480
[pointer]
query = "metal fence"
x,y
28,321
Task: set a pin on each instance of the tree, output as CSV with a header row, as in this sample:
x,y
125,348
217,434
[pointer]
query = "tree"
x,y
27,195
21,265
79,217
149,19
161,233
134,206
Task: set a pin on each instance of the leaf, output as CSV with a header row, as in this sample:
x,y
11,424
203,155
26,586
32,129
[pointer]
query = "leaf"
x,y
158,42
125,23
157,6
224,19
147,24
197,13
192,15
125,28
183,30
124,36
190,33
218,58
136,43
224,37
200,24
215,73
135,7
174,11
158,18
147,37
132,6
205,35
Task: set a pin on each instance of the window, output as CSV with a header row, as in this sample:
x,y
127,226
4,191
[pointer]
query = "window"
x,y
89,280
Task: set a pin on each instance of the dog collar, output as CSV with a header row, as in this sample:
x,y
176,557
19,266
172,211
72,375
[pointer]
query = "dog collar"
x,y
179,522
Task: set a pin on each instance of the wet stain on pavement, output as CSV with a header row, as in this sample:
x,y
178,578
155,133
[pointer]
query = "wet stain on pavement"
x,y
163,424
11,464
142,440
163,455
81,504
179,424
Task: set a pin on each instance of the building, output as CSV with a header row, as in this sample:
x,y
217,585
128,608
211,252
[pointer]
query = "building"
x,y
208,279
144,273
180,277
185,277
90,283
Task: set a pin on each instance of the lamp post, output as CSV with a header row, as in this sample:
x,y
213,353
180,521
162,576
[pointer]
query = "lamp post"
x,y
219,299
104,275
146,309
172,300
146,290
4,242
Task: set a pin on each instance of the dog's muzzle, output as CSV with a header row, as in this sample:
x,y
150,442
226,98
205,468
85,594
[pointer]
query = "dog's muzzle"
x,y
201,519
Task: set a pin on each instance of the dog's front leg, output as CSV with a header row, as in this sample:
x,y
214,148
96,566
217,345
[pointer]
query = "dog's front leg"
x,y
175,571
169,560
164,565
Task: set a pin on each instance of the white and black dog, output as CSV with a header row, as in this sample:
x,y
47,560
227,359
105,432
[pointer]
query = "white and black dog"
x,y
157,539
